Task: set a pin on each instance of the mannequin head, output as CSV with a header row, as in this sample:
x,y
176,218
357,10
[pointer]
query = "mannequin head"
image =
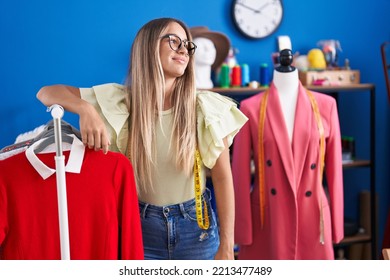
x,y
204,59
212,50
221,43
206,51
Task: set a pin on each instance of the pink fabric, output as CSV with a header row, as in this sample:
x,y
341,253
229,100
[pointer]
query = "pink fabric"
x,y
292,195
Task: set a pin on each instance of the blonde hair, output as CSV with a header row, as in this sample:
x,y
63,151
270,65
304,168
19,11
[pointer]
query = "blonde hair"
x,y
145,85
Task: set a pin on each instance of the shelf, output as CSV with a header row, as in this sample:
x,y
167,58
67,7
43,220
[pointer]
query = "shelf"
x,y
358,238
357,163
343,88
240,91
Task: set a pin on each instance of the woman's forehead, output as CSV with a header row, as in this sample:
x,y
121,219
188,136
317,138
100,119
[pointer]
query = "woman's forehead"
x,y
177,29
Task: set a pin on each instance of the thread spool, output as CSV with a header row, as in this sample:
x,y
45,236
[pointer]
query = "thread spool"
x,y
224,76
244,75
236,76
264,75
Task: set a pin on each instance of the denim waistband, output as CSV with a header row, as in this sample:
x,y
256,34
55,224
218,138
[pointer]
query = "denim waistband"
x,y
173,209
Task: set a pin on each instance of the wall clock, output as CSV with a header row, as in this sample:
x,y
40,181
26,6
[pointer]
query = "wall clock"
x,y
257,18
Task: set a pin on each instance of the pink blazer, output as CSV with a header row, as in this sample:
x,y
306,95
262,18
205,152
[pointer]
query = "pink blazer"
x,y
293,197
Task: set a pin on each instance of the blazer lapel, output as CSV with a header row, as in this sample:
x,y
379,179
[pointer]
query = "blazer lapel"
x,y
302,131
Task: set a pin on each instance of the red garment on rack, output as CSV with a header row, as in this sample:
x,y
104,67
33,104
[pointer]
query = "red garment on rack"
x,y
103,211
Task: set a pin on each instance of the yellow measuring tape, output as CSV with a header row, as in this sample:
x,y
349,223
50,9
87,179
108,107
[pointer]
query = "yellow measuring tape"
x,y
202,223
262,113
263,108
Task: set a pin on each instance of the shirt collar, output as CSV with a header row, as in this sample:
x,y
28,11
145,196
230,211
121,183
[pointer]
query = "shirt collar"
x,y
73,165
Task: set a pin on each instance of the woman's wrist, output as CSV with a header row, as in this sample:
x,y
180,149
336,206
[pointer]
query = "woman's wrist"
x,y
227,244
84,108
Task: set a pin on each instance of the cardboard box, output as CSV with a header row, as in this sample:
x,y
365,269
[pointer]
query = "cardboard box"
x,y
330,77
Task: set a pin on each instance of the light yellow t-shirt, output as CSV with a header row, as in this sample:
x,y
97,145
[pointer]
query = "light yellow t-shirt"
x,y
217,117
170,186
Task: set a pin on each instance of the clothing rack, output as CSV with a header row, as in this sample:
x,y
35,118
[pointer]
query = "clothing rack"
x,y
57,112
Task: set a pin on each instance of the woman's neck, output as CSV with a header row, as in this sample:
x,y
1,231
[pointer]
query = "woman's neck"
x,y
167,93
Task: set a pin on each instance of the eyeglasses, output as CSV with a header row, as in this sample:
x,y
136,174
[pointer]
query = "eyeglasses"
x,y
175,43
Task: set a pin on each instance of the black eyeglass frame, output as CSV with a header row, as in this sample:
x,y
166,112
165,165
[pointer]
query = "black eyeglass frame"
x,y
190,50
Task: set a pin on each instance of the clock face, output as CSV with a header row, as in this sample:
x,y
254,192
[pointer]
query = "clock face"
x,y
257,18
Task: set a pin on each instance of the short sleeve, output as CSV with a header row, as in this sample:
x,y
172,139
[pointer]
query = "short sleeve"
x,y
217,117
110,102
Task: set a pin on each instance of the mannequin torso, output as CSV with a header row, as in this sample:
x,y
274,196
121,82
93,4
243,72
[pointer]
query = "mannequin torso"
x,y
287,85
204,59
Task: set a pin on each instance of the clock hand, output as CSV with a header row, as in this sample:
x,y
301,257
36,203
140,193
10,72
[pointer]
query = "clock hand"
x,y
249,8
262,7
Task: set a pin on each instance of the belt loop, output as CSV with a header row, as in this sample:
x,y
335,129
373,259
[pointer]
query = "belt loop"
x,y
144,210
182,209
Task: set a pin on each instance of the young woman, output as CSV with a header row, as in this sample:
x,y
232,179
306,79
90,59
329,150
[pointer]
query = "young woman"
x,y
160,122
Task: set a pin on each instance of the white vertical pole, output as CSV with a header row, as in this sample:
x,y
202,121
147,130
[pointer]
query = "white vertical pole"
x,y
57,112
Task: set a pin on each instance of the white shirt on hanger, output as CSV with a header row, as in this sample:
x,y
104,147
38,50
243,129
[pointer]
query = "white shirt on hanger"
x,y
73,165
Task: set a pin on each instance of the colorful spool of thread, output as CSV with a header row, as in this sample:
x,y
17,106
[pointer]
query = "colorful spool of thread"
x,y
264,75
244,75
236,76
224,76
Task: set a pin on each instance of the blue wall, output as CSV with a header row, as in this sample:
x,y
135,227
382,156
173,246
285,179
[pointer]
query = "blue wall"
x,y
87,42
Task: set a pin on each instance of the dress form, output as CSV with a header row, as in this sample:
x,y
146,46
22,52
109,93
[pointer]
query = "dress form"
x,y
286,81
204,58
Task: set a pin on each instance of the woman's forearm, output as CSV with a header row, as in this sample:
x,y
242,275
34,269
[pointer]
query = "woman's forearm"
x,y
224,195
92,128
66,96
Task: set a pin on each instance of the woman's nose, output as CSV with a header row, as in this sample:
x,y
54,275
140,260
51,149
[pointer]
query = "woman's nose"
x,y
182,49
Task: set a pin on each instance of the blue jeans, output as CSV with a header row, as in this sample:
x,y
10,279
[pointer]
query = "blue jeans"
x,y
172,233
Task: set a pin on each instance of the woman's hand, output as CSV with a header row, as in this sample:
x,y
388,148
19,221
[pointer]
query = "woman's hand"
x,y
93,130
225,252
